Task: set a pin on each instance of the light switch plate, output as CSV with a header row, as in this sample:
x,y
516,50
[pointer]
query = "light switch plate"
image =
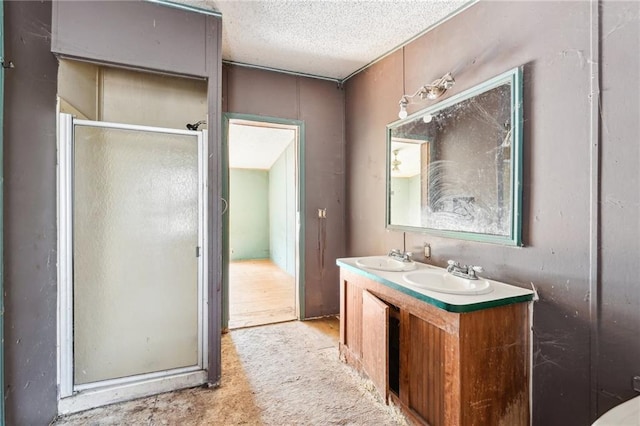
x,y
427,250
636,383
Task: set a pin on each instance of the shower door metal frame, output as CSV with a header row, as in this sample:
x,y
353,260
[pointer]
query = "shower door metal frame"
x,y
74,398
1,215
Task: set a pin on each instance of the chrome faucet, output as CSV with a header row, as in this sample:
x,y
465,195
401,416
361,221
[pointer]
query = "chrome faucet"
x,y
463,271
402,256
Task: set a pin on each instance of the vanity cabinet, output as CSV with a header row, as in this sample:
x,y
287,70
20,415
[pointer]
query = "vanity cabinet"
x,y
439,367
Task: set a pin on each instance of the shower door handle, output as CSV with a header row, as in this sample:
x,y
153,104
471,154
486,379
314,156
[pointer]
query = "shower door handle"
x,y
226,205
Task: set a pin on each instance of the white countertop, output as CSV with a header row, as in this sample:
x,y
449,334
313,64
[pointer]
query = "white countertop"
x,y
502,294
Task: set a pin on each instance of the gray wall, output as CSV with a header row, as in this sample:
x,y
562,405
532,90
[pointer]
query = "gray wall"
x,y
320,104
282,211
30,177
30,215
552,41
617,330
86,29
248,214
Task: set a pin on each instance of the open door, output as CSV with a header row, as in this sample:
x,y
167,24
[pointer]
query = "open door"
x,y
262,171
375,337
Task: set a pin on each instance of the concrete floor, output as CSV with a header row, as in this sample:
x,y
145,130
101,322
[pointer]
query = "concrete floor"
x,y
281,374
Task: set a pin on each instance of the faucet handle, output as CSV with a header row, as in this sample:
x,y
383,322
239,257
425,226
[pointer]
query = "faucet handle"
x,y
471,271
452,263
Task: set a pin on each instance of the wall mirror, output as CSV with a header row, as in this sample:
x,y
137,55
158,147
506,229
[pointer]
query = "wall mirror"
x,y
454,169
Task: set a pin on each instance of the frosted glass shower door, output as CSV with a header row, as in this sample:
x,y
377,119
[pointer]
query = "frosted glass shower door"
x,y
136,242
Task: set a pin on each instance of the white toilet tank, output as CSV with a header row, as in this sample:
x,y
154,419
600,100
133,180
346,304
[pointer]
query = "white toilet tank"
x,y
625,414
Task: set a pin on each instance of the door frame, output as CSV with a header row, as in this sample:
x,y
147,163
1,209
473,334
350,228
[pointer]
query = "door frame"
x,y
227,117
74,398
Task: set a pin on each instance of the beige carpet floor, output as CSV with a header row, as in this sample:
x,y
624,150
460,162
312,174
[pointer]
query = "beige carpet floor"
x,y
281,374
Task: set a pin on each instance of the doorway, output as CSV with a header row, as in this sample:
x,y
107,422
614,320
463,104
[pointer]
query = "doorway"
x,y
132,261
262,227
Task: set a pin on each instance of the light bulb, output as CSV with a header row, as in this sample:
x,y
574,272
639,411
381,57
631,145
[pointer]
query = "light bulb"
x,y
427,118
433,93
403,108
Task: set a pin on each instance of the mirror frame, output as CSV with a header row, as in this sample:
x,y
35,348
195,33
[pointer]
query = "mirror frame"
x,y
514,238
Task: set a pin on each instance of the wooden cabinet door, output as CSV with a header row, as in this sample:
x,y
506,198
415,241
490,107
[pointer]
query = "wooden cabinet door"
x,y
425,370
351,318
375,334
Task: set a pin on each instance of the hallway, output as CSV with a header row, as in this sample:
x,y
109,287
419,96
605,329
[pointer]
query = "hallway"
x,y
282,374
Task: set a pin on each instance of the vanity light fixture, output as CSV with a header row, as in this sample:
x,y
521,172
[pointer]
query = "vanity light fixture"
x,y
428,91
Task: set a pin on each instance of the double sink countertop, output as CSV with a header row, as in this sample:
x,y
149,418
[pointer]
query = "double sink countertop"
x,y
502,294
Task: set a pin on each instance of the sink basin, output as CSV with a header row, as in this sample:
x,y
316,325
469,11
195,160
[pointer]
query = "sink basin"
x,y
444,282
627,413
385,263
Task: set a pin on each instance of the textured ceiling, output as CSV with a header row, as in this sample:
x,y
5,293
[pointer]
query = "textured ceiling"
x,y
252,147
331,39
